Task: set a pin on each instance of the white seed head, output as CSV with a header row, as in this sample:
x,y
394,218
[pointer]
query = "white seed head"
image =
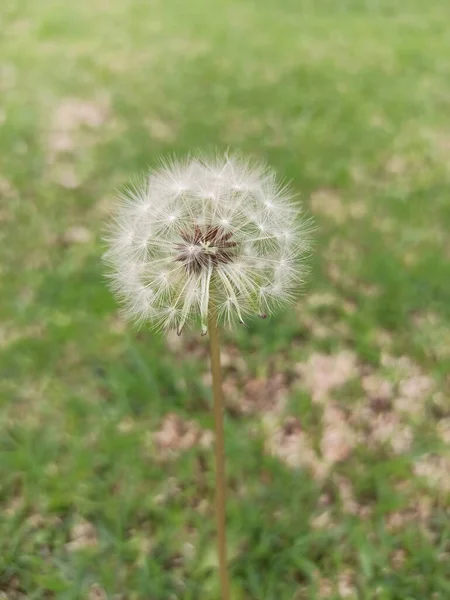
x,y
206,234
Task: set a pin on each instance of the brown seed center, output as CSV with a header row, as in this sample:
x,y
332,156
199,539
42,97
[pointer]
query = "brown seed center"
x,y
205,246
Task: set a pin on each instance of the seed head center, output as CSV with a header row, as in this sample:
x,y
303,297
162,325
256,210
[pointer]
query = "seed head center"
x,y
203,247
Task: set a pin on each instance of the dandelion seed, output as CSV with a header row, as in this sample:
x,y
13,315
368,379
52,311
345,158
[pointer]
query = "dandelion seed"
x,y
207,233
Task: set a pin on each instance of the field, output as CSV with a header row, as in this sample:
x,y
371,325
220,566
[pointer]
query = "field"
x,y
338,409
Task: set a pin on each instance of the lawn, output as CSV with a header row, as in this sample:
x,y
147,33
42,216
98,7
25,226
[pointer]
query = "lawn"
x,y
338,409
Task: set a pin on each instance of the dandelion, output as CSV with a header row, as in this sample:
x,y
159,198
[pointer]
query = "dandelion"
x,y
207,241
200,236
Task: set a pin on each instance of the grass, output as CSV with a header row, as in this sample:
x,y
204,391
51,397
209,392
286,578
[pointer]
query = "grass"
x,y
339,418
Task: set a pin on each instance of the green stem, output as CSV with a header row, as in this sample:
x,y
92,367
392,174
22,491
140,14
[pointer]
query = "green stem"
x,y
214,347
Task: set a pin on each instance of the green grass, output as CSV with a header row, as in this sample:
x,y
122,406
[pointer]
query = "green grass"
x,y
350,100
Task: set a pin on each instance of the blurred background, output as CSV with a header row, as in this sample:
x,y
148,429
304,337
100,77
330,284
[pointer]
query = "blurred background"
x,y
338,413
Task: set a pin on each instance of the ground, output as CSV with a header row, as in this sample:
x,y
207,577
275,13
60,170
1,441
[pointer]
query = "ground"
x,y
338,412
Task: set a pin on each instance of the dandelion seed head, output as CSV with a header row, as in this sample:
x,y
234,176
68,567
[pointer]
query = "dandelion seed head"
x,y
206,234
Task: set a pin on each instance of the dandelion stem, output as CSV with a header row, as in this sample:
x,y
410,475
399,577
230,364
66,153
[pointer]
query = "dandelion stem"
x,y
219,452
